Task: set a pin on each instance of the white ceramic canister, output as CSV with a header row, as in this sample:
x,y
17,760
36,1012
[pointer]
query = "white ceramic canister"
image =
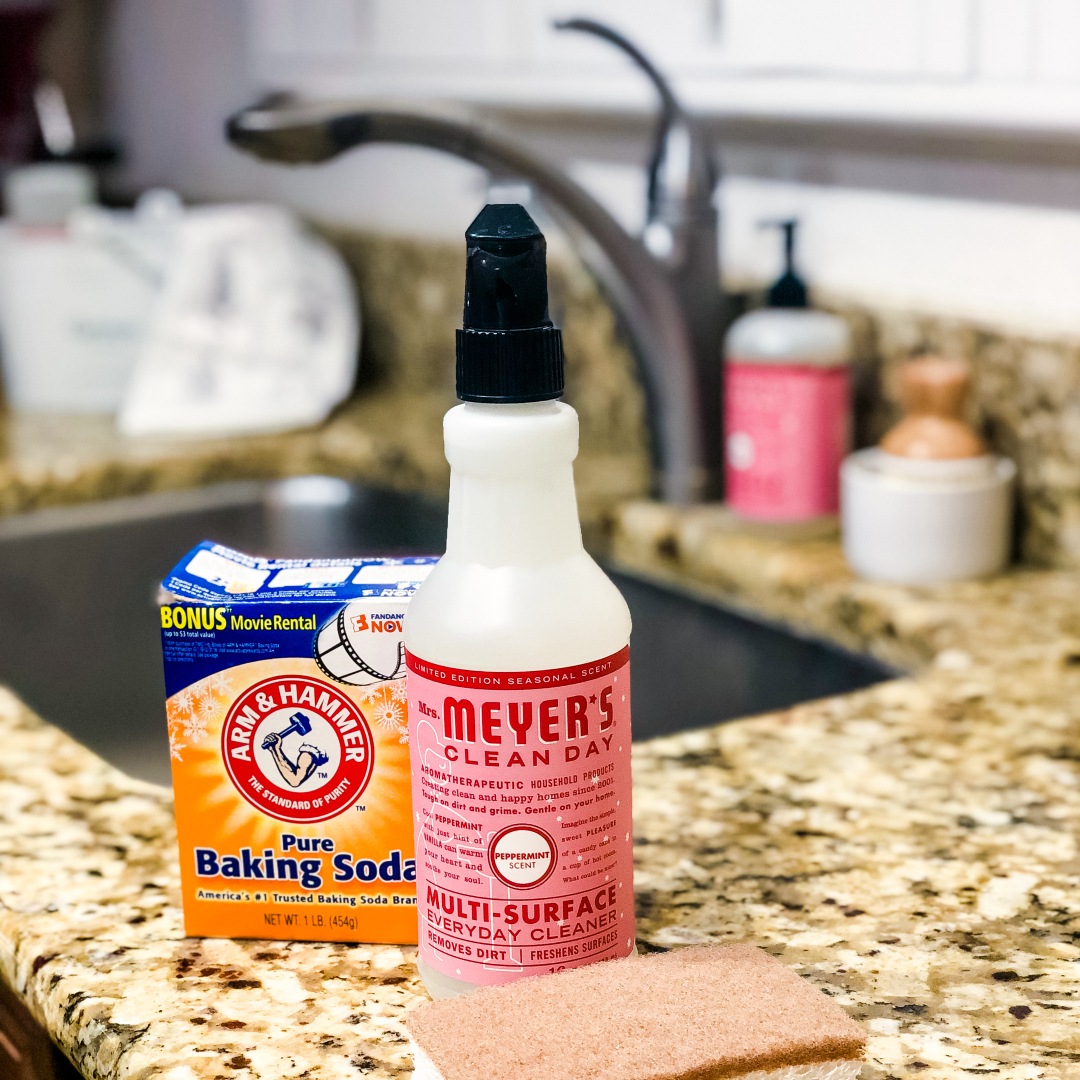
x,y
931,503
923,522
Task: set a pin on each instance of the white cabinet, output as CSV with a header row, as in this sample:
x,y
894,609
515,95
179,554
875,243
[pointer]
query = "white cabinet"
x,y
998,63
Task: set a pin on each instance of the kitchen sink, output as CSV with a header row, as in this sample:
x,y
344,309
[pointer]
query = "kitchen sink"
x,y
79,637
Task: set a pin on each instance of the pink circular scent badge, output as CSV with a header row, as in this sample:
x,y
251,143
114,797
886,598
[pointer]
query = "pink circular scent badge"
x,y
786,430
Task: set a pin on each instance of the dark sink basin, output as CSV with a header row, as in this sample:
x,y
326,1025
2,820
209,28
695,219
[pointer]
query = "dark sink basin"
x,y
79,630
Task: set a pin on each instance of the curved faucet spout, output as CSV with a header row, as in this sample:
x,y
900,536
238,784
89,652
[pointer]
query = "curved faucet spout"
x,y
681,219
639,285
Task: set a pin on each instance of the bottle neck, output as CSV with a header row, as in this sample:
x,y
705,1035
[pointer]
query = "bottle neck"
x,y
512,500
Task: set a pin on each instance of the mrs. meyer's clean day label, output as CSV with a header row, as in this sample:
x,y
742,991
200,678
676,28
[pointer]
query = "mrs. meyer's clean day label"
x,y
522,817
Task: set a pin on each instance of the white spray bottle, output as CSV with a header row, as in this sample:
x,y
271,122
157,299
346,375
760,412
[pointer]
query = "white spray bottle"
x,y
518,662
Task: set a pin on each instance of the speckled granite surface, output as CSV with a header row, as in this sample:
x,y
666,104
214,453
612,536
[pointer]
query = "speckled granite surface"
x,y
390,437
90,935
1025,401
911,849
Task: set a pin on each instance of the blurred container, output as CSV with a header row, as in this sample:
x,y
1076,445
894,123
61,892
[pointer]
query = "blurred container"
x,y
786,405
256,329
77,284
45,195
930,504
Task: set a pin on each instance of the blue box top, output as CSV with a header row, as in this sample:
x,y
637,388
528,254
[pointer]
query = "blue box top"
x,y
214,574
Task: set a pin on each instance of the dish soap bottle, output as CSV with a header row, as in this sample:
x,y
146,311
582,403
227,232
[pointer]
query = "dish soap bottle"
x,y
786,405
931,503
518,662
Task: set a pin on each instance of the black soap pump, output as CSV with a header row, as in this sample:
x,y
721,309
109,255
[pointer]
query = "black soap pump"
x,y
789,290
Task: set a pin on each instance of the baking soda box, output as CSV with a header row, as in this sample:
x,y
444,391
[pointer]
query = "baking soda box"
x,y
288,725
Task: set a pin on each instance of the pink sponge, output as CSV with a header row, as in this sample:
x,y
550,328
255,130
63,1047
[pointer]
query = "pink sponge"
x,y
708,1013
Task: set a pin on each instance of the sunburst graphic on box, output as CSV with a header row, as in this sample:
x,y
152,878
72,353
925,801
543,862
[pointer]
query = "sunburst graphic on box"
x,y
386,705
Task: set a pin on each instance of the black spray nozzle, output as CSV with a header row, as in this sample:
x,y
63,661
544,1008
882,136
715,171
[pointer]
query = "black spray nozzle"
x,y
789,290
508,350
505,271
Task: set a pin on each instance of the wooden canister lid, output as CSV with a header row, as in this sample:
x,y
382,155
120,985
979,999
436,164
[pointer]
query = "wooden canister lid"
x,y
934,392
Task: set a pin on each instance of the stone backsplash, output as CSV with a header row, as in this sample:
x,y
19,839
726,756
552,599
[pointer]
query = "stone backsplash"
x,y
1026,397
1025,401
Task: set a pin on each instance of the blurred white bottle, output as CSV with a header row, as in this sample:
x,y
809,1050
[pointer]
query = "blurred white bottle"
x,y
77,285
517,648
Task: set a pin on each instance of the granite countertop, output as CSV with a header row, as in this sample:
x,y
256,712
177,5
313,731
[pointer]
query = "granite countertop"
x,y
911,849
389,437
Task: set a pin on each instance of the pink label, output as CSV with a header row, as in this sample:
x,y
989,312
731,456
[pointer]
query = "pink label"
x,y
787,430
522,813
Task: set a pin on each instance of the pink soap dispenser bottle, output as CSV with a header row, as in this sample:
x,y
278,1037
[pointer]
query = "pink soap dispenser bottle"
x,y
786,405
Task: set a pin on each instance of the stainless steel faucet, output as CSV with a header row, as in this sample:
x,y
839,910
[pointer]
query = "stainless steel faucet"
x,y
665,287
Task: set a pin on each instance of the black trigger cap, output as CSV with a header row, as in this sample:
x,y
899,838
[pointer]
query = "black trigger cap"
x,y
507,350
506,271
